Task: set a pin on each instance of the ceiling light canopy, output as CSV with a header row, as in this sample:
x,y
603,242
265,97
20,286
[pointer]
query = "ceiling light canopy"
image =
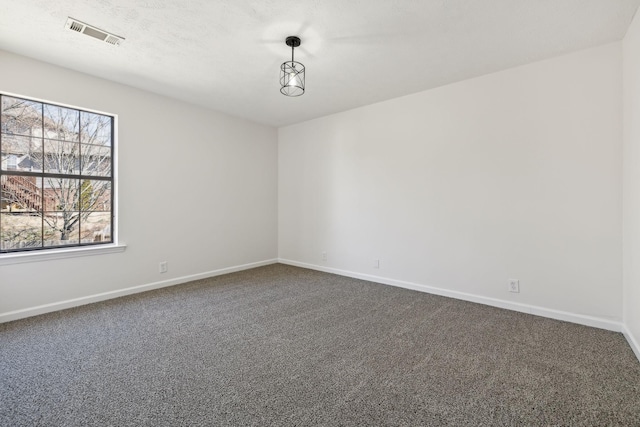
x,y
292,72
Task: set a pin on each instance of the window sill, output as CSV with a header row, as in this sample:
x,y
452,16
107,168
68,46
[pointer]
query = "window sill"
x,y
46,255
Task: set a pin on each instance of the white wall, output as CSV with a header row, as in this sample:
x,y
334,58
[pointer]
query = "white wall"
x,y
513,175
196,188
631,221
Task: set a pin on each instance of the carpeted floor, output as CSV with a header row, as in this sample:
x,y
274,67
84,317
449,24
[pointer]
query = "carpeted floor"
x,y
284,346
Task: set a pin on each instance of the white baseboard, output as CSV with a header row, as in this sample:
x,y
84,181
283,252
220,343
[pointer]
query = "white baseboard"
x,y
524,308
494,302
633,343
61,305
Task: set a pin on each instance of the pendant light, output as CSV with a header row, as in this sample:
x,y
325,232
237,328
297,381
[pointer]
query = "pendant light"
x,y
292,72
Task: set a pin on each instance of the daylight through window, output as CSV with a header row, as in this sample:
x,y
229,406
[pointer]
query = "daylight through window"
x,y
56,176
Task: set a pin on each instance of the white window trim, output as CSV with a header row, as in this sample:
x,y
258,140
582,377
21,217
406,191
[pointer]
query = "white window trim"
x,y
10,258
58,253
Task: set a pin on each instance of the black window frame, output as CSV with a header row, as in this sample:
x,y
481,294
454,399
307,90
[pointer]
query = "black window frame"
x,y
79,177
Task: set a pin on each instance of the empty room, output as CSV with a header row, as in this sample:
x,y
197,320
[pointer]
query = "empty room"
x,y
270,213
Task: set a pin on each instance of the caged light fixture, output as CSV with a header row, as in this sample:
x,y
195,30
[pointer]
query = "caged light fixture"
x,y
292,72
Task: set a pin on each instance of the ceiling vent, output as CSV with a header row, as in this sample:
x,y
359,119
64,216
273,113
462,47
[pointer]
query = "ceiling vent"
x,y
82,28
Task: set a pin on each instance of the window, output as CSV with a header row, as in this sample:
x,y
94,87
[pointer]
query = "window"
x,y
56,176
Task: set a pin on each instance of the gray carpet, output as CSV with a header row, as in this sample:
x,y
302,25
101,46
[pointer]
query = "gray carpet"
x,y
282,346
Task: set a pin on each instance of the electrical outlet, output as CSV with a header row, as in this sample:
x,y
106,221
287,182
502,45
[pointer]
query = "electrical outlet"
x,y
324,256
376,263
164,267
514,285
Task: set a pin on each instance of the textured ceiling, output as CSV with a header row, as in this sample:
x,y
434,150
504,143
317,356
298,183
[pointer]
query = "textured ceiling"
x,y
225,54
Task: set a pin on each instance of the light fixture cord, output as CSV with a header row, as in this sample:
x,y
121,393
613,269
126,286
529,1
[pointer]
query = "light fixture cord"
x,y
292,44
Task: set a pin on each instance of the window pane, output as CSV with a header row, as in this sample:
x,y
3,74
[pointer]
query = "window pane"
x,y
21,117
61,157
21,153
96,227
96,160
95,196
19,230
95,129
61,228
61,194
61,123
21,194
